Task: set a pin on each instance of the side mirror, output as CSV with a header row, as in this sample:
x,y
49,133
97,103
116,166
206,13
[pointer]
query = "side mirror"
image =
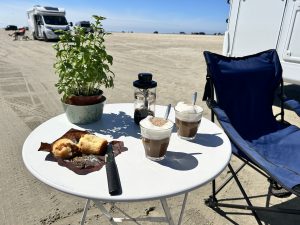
x,y
71,24
38,23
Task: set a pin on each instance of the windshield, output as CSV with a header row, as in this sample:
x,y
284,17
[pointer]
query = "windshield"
x,y
55,20
85,25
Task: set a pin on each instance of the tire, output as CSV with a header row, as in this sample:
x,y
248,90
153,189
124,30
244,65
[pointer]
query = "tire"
x,y
34,36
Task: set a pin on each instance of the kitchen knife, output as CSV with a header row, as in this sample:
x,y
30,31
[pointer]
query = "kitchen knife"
x,y
113,178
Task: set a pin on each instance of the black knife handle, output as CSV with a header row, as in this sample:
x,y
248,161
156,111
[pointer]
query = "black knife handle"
x,y
113,178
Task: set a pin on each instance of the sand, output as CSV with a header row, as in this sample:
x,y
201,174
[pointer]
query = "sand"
x,y
28,98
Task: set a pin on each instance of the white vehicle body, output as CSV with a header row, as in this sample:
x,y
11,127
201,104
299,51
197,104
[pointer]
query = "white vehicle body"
x,y
84,24
258,25
44,21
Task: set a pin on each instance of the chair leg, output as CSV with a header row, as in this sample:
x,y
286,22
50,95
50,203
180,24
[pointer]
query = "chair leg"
x,y
268,196
212,201
244,193
277,190
214,189
229,179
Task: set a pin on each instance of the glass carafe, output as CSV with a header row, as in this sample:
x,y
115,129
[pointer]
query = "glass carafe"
x,y
144,97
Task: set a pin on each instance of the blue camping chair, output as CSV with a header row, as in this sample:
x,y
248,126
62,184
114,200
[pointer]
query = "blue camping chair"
x,y
245,88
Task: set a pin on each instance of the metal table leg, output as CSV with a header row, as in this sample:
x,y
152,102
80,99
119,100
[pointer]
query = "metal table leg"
x,y
168,213
113,220
85,212
182,208
105,212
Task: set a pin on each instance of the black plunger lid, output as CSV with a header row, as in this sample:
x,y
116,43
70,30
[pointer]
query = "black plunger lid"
x,y
145,81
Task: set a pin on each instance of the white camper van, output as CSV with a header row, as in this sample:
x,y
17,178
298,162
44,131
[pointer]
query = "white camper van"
x,y
257,25
44,21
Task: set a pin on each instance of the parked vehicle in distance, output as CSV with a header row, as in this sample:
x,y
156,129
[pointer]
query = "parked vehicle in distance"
x,y
11,27
86,25
45,22
252,28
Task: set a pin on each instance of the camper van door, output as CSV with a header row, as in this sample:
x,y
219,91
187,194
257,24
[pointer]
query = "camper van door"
x,y
40,24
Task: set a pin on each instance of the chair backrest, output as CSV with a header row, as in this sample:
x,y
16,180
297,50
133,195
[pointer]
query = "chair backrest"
x,y
245,89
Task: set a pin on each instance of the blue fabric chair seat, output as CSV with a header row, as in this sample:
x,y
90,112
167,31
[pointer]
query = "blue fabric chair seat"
x,y
281,148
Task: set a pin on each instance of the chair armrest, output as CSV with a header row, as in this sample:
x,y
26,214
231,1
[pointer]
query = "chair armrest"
x,y
242,144
292,104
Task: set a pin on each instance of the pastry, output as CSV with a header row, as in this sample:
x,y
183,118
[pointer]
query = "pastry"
x,y
64,148
92,144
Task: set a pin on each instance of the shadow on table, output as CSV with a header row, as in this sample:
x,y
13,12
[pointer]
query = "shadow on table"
x,y
209,140
179,160
116,125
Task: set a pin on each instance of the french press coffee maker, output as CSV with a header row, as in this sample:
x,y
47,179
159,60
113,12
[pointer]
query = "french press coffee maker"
x,y
144,96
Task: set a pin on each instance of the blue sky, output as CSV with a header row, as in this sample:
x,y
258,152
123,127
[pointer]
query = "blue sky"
x,y
165,16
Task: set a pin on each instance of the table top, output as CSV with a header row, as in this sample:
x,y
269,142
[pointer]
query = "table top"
x,y
187,166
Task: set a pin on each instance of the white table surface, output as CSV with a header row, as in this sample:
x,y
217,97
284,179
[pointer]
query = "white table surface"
x,y
188,165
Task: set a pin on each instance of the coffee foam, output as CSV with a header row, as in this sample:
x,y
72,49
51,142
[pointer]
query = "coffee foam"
x,y
150,131
188,112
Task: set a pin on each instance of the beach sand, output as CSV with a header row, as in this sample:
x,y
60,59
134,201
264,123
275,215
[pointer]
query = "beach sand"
x,y
28,98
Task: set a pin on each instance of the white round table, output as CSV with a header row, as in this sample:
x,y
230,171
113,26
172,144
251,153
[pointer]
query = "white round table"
x,y
188,164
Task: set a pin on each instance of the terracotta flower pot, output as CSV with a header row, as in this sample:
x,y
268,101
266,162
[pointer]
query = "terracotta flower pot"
x,y
85,100
84,114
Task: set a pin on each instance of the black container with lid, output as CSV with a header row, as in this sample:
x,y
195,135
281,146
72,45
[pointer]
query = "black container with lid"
x,y
144,96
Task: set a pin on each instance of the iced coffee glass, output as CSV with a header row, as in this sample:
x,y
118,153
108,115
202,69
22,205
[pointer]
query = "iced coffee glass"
x,y
187,119
156,133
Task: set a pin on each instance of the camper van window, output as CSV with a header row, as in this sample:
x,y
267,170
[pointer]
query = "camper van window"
x,y
39,20
55,20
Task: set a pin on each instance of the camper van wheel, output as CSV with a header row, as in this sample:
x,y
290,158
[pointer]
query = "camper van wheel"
x,y
34,36
45,37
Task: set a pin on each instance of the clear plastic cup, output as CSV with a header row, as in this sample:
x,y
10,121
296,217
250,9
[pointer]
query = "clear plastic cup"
x,y
187,121
155,138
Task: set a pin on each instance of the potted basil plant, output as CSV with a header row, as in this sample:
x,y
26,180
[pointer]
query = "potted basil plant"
x,y
83,68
